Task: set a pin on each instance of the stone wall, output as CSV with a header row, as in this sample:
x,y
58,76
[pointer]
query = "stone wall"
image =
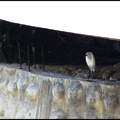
x,y
26,94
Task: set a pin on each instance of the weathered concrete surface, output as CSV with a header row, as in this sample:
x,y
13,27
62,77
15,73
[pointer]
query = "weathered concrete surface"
x,y
33,94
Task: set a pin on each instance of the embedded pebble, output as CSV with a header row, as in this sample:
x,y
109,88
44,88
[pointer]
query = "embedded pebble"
x,y
58,91
31,114
32,91
57,115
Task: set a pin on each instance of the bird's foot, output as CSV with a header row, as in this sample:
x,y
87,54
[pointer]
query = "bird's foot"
x,y
90,76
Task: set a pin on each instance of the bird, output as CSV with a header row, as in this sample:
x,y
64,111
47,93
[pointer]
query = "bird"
x,y
90,60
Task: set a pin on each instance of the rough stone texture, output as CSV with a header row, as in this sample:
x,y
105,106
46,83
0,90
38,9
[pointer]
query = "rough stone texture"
x,y
74,93
12,85
116,67
21,112
76,116
32,91
42,95
30,114
93,103
57,115
116,75
4,104
106,76
102,71
58,92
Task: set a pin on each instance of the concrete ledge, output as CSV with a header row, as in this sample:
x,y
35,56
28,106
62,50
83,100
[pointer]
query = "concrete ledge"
x,y
26,95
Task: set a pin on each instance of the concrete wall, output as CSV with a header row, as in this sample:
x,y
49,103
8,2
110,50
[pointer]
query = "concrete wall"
x,y
25,94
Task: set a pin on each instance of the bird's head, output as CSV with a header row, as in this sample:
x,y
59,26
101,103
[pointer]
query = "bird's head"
x,y
88,53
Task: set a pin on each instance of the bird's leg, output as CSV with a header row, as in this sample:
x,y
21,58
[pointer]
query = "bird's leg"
x,y
92,74
89,75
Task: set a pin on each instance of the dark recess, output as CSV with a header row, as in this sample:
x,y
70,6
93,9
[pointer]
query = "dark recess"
x,y
60,48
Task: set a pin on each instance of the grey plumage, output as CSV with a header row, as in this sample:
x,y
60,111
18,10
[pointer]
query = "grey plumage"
x,y
90,60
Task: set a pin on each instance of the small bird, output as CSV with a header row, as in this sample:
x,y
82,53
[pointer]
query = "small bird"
x,y
90,60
